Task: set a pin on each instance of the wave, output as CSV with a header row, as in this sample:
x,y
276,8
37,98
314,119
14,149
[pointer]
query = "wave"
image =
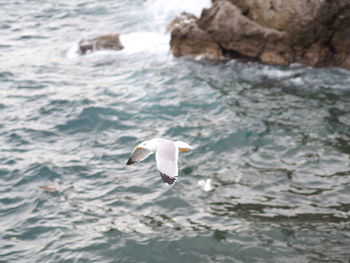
x,y
153,38
164,11
145,42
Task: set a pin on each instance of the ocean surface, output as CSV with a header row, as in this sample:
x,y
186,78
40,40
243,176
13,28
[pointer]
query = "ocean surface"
x,y
268,179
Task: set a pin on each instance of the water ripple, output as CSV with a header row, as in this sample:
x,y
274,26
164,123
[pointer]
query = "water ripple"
x,y
274,142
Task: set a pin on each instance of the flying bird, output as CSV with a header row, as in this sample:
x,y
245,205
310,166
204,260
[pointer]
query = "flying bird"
x,y
167,153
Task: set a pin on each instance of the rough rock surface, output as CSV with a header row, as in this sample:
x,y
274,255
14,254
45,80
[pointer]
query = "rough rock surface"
x,y
187,39
110,41
313,32
234,31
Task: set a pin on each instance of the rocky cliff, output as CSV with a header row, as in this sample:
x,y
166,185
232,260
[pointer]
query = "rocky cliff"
x,y
313,32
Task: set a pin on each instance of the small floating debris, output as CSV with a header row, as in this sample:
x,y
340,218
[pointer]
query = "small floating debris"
x,y
205,185
52,188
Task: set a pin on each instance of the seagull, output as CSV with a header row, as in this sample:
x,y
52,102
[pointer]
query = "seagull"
x,y
167,153
52,188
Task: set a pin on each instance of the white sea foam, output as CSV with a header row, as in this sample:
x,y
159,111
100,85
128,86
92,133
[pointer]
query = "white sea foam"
x,y
165,10
72,52
274,72
157,39
205,185
135,42
145,42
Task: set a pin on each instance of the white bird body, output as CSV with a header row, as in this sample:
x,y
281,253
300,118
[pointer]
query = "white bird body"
x,y
167,153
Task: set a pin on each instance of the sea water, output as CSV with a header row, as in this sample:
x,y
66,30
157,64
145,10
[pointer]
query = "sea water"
x,y
268,179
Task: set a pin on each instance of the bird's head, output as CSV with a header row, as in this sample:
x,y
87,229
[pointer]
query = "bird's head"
x,y
147,145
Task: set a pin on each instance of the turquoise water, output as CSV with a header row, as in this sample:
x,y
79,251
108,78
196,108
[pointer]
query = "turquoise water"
x,y
274,141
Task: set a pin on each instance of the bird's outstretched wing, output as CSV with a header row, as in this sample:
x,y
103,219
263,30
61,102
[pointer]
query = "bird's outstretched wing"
x,y
166,157
138,155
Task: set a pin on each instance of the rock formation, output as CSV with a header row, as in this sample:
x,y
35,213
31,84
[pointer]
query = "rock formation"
x,y
313,32
188,39
110,41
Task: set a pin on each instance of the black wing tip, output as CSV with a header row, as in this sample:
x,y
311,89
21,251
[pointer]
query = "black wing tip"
x,y
130,162
167,179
